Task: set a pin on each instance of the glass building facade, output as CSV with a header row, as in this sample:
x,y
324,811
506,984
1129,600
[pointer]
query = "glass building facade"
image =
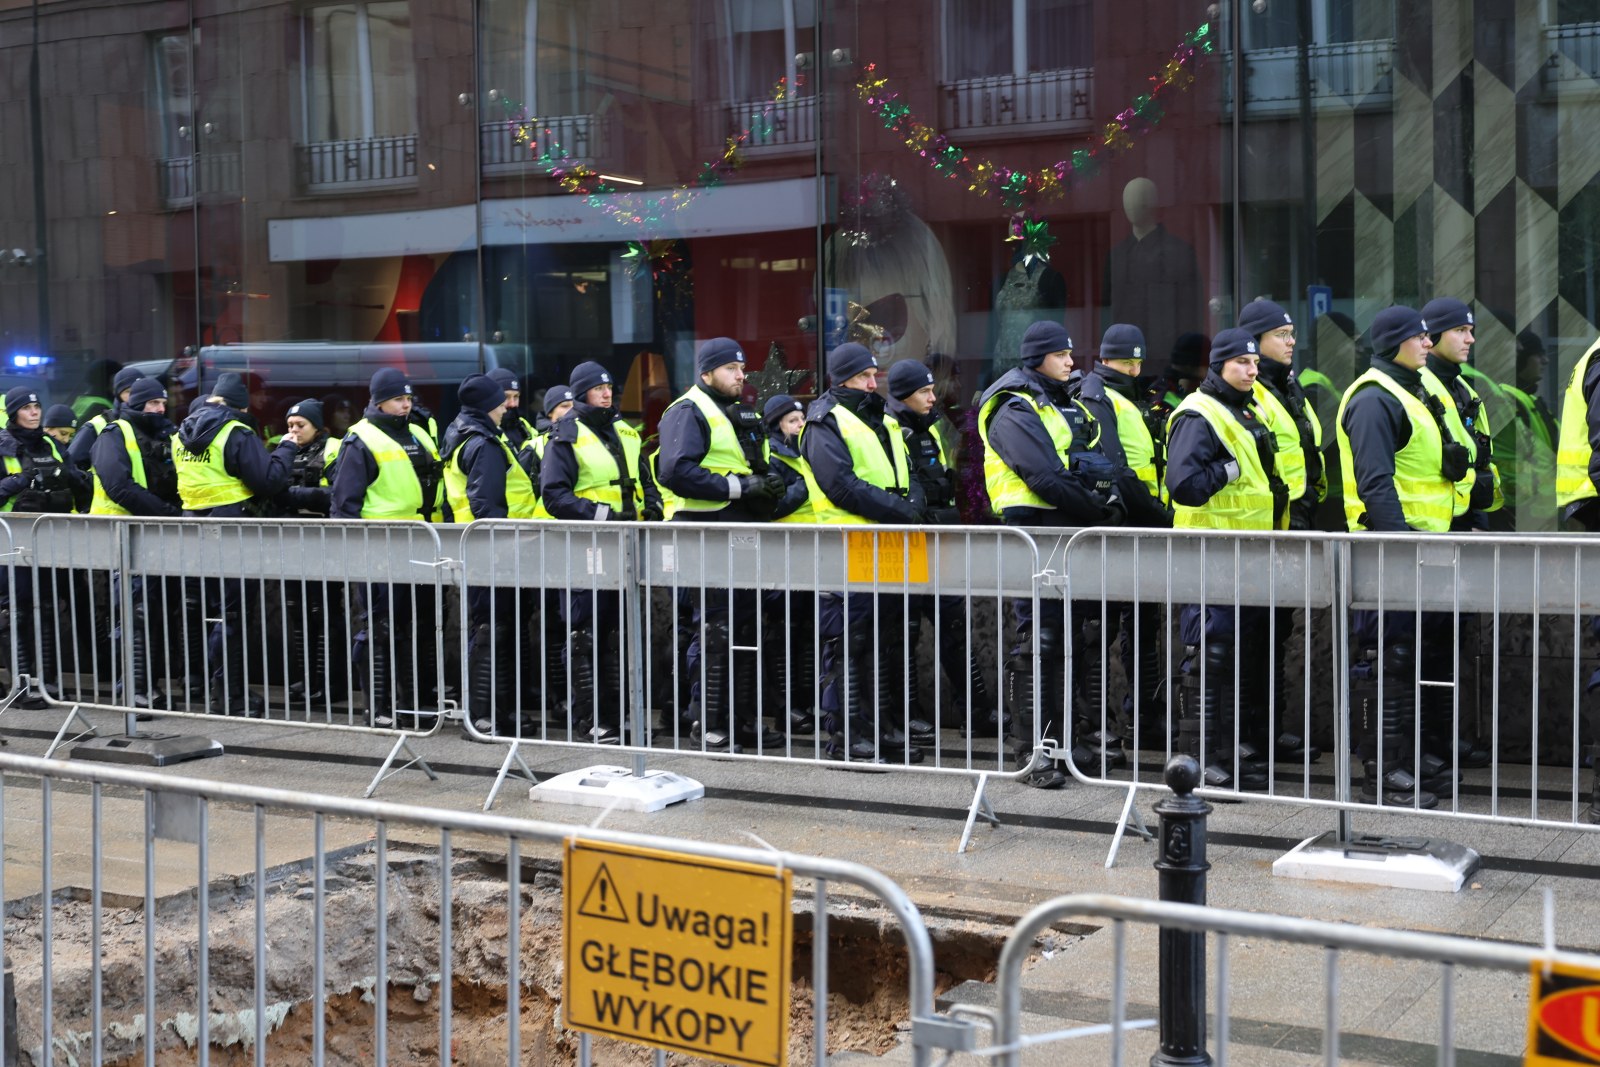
x,y
555,181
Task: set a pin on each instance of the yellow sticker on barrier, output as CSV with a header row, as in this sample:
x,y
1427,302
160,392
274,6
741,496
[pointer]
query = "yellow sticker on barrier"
x,y
888,557
677,951
1563,1017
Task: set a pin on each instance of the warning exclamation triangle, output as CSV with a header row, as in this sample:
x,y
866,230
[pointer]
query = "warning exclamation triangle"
x,y
601,900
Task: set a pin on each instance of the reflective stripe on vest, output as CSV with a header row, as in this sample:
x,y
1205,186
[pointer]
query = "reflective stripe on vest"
x,y
1006,487
1576,450
1436,388
203,481
1244,503
102,504
598,478
396,493
1426,499
520,497
886,470
723,454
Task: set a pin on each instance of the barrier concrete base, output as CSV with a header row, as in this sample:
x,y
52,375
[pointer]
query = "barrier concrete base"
x,y
1401,862
605,786
146,750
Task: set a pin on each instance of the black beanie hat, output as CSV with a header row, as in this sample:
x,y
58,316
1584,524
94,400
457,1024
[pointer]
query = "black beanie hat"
x,y
1392,327
231,388
718,352
19,398
1262,317
849,360
506,379
310,410
1042,339
906,377
1191,350
555,396
145,390
587,376
1122,341
387,384
1230,343
124,380
60,415
778,407
1446,313
481,393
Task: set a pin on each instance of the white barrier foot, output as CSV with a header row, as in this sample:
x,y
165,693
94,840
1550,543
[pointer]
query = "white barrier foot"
x,y
604,786
513,755
1369,859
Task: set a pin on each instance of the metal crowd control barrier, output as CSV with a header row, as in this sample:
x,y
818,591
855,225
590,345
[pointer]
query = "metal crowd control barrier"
x,y
1455,663
798,643
322,624
235,985
1227,928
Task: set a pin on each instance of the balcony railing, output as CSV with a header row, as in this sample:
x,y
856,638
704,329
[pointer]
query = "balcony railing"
x,y
775,124
510,145
182,177
1579,42
1053,99
351,165
1359,74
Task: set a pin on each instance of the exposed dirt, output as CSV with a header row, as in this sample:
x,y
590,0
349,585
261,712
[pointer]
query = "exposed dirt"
x,y
867,1000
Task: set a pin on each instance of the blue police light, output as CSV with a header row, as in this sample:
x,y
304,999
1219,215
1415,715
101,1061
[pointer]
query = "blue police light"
x,y
22,359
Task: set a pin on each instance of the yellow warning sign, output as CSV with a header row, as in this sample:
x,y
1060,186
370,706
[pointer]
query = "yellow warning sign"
x,y
888,557
679,951
1563,1017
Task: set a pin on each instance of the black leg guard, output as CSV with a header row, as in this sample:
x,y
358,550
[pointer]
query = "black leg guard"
x,y
713,728
229,693
613,694
1389,782
481,707
795,671
1093,745
1205,705
379,676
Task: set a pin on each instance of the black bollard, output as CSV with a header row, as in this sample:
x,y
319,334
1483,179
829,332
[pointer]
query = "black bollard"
x,y
1183,869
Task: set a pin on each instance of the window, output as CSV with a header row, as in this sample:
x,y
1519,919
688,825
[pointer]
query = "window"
x,y
985,39
533,58
174,113
358,98
768,40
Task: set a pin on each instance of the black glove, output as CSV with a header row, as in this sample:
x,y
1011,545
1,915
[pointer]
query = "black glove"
x,y
775,484
756,488
944,517
1112,511
650,513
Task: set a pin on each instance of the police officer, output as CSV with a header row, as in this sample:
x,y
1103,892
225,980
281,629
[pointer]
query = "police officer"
x,y
83,442
1111,392
1221,476
913,401
1038,443
308,606
222,469
35,477
1578,496
484,480
1286,411
388,469
791,637
61,424
714,464
1400,465
593,472
858,457
518,431
134,475
1450,328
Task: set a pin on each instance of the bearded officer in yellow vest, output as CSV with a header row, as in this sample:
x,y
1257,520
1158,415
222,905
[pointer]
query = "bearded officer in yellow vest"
x,y
593,471
859,460
1112,393
1221,475
715,465
484,480
1400,465
223,469
388,469
1450,329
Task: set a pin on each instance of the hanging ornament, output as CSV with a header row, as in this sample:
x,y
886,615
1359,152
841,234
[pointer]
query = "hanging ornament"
x,y
1033,239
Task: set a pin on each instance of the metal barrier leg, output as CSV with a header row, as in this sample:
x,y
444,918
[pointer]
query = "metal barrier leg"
x,y
980,808
401,742
75,715
1129,819
513,755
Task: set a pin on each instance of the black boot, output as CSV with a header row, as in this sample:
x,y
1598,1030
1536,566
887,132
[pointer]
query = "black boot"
x,y
896,730
1206,705
795,671
1018,684
713,727
750,733
229,693
1400,789
613,693
581,670
1094,746
308,656
480,710
379,679
140,693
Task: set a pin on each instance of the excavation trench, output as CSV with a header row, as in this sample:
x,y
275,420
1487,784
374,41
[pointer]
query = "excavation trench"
x,y
867,985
